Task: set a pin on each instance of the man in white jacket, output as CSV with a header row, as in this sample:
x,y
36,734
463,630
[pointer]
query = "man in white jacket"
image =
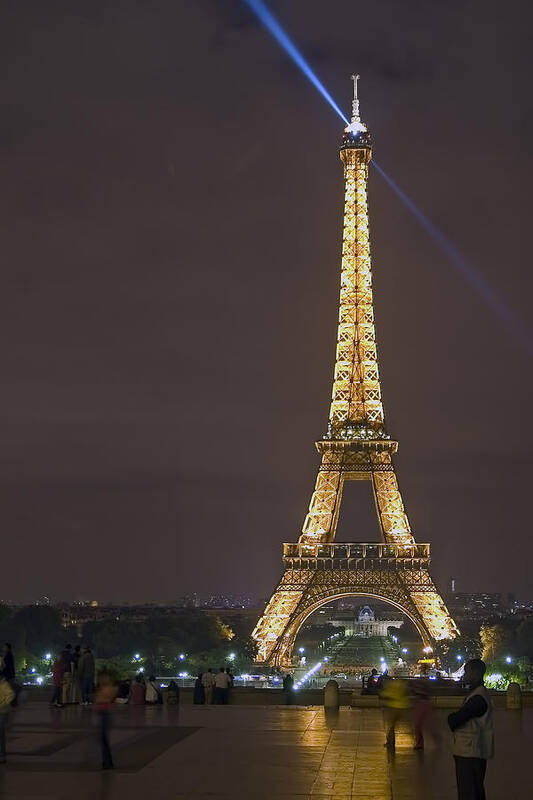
x,y
473,734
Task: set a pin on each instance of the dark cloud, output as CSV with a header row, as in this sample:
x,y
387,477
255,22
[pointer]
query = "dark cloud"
x,y
171,216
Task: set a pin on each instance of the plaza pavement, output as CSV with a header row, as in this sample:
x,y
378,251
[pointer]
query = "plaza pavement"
x,y
245,753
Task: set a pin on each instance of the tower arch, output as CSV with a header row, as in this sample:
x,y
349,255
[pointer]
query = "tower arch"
x,y
282,653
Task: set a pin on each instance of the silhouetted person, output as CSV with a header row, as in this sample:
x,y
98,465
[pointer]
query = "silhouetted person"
x,y
8,670
173,694
58,671
199,691
75,685
86,673
106,691
8,667
138,691
7,696
373,682
288,688
67,656
473,734
222,684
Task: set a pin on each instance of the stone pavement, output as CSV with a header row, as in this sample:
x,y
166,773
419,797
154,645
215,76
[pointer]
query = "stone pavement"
x,y
245,753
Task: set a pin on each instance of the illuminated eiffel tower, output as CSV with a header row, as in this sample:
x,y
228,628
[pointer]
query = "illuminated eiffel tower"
x,y
355,447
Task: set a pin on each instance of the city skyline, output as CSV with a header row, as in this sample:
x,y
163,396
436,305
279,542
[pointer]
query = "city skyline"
x,y
172,243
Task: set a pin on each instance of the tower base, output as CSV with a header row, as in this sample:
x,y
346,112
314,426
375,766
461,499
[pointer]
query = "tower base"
x,y
317,574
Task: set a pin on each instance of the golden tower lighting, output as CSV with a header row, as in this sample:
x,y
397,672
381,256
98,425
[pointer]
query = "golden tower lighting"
x,y
356,446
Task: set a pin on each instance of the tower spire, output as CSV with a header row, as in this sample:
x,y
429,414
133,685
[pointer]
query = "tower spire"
x,y
356,126
355,101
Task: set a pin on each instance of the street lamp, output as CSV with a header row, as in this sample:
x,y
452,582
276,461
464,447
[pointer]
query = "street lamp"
x,y
459,658
405,650
301,649
231,656
509,660
181,656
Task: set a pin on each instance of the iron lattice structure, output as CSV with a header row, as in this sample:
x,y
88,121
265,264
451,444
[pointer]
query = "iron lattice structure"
x,y
355,447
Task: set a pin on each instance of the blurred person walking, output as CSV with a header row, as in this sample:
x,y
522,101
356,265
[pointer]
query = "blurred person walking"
x,y
85,673
473,734
423,718
153,695
208,682
106,691
394,696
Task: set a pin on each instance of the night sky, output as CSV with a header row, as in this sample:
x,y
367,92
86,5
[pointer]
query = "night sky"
x,y
171,211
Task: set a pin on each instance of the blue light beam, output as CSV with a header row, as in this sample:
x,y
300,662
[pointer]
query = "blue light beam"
x,y
468,271
270,22
472,275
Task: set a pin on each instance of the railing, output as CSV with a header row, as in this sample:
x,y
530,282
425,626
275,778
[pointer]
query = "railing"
x,y
356,550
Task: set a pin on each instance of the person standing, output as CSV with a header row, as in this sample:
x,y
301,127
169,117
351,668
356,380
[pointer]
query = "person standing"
x,y
106,691
85,674
67,656
222,684
8,671
137,691
208,682
199,692
58,671
75,685
7,696
288,688
473,734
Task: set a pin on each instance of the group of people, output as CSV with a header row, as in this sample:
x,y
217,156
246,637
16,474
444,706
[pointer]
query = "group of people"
x,y
73,676
471,726
213,687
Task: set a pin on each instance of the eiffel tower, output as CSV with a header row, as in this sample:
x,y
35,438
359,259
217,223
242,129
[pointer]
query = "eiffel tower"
x,y
356,446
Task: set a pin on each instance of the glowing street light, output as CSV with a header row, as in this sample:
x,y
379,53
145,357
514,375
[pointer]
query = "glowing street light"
x,y
47,656
231,656
181,656
405,650
459,658
301,649
509,659
137,656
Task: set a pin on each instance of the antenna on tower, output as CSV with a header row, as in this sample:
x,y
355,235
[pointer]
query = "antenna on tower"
x,y
355,101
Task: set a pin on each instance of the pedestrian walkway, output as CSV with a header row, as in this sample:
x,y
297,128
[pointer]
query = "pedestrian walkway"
x,y
245,753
